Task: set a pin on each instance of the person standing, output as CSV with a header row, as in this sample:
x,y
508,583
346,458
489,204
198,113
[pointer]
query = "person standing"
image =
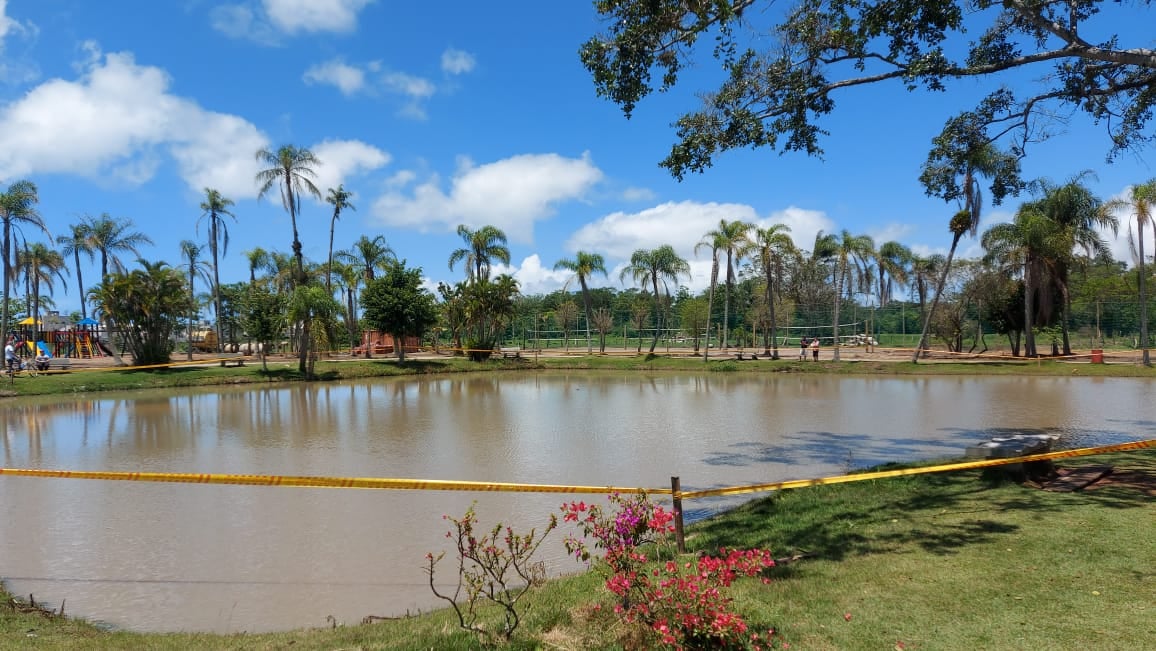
x,y
815,349
803,343
10,354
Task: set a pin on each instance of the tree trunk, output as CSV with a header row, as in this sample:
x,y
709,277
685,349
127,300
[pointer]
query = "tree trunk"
x,y
935,299
1064,318
842,271
1143,295
710,305
1029,303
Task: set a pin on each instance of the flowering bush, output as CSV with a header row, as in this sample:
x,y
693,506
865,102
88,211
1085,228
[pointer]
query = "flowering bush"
x,y
681,602
496,567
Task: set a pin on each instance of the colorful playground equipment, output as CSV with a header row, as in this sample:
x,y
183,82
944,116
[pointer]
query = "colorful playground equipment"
x,y
59,338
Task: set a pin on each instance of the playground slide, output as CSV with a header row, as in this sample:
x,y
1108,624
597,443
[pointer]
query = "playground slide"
x,y
42,349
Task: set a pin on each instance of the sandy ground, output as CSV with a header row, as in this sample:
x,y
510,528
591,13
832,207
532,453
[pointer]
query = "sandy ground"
x,y
849,353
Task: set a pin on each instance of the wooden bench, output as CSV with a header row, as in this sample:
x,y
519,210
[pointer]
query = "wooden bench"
x,y
231,359
508,353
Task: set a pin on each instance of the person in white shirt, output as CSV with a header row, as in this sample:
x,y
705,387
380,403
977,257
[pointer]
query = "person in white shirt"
x,y
10,358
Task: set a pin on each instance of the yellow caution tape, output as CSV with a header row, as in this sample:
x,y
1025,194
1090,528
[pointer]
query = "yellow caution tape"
x,y
434,484
884,474
320,482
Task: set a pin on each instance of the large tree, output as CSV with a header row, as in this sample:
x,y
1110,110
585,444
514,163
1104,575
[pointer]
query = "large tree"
x,y
483,246
17,206
784,66
215,208
398,304
73,244
584,265
147,304
339,199
652,267
773,247
731,238
40,264
191,254
369,255
291,169
1139,205
851,255
109,236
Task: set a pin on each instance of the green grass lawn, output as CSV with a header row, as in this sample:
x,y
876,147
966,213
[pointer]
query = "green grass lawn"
x,y
119,379
947,561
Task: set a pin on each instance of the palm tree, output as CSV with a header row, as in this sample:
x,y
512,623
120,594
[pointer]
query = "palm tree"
x,y
733,239
292,170
369,255
339,199
654,266
973,156
892,262
851,255
1077,212
41,264
216,208
258,260
191,253
17,206
1141,204
484,245
714,244
74,245
772,247
1032,243
584,265
313,307
109,236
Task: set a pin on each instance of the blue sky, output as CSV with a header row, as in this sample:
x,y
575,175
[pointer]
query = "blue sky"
x,y
434,115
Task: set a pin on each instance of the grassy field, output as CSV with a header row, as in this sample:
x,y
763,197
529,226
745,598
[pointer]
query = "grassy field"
x,y
86,380
947,561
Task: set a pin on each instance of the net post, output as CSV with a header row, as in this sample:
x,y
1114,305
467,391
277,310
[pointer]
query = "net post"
x,y
676,495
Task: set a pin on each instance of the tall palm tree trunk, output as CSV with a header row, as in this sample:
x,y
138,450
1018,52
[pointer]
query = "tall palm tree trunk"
x,y
838,300
710,306
586,302
1029,304
4,316
935,299
657,312
1144,359
216,284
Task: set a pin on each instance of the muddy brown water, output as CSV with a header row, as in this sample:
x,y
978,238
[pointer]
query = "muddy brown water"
x,y
177,557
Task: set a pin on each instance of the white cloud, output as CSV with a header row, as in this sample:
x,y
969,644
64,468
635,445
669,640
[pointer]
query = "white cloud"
x,y
117,120
457,62
15,69
682,226
263,22
335,72
341,159
241,21
638,194
804,224
292,16
510,194
9,26
415,89
533,278
1119,242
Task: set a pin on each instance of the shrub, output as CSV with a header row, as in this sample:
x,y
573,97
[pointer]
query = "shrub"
x,y
679,602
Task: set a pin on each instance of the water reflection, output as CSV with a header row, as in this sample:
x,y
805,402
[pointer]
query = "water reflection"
x,y
224,558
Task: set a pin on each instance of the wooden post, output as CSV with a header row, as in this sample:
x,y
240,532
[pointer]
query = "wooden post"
x,y
676,493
